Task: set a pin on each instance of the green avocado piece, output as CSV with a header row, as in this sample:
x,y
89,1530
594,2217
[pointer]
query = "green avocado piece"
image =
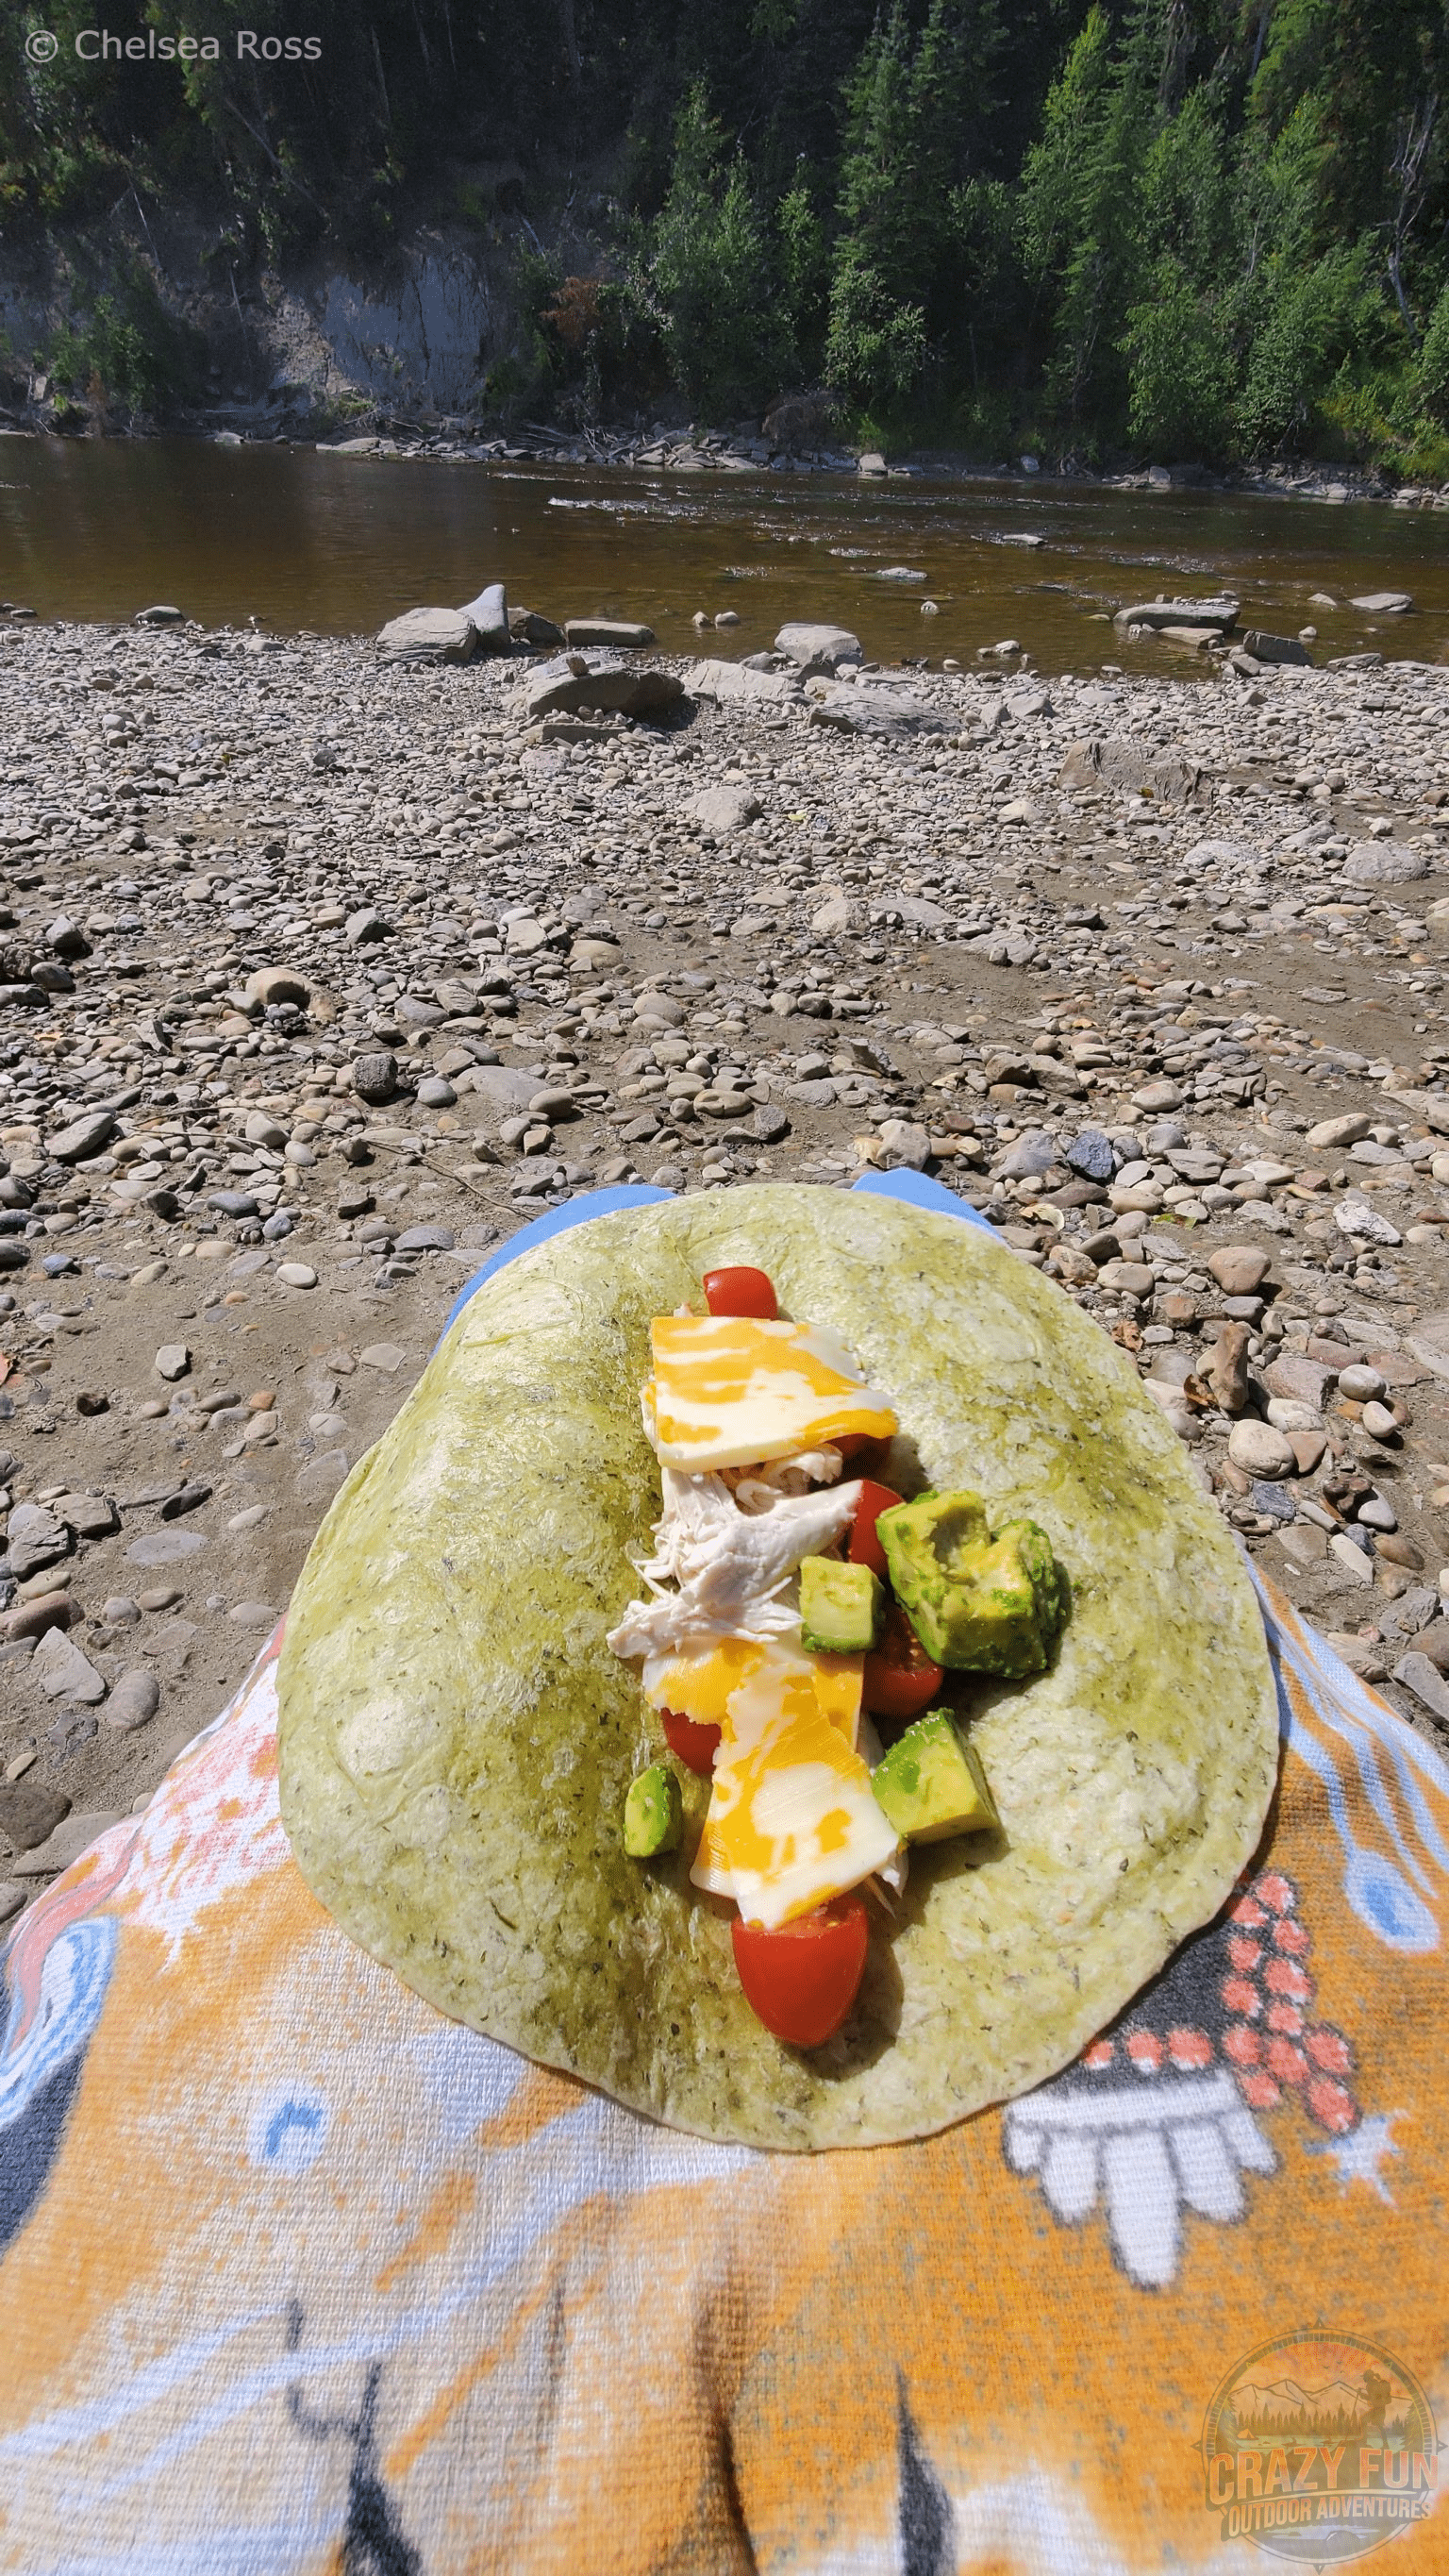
x,y
653,1813
931,1783
840,1606
980,1601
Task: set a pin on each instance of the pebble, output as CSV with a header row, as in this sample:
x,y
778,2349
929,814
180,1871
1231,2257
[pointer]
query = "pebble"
x,y
134,1700
322,1475
35,1538
586,956
173,1360
164,1547
1228,1372
1239,1269
63,1672
296,1274
29,1812
65,1844
1260,1450
1353,1561
1426,1682
33,1617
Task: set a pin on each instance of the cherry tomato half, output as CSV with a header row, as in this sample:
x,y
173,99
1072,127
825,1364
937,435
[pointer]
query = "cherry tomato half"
x,y
802,1978
900,1678
695,1745
865,1548
741,1292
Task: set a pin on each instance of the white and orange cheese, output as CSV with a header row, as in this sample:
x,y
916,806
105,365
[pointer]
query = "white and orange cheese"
x,y
730,1390
792,1818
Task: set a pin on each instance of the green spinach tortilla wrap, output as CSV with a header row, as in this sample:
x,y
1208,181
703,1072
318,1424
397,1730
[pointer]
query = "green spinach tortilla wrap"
x,y
457,1739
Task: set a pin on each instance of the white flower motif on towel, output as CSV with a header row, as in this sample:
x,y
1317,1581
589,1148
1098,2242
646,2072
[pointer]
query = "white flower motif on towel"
x,y
1186,2141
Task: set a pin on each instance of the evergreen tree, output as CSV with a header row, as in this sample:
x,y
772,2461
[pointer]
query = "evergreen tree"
x,y
710,272
1080,210
1187,227
1182,335
911,108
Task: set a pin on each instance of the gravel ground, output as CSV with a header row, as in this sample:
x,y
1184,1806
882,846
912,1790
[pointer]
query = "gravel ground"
x,y
319,975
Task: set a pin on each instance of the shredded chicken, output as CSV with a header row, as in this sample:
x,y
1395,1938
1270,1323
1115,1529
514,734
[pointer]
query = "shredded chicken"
x,y
758,1488
730,1565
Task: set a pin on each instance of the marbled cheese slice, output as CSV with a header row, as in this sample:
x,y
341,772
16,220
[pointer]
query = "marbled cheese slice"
x,y
717,1685
730,1389
792,1818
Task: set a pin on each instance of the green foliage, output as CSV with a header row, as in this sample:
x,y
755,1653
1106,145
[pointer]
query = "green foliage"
x,y
802,264
127,352
1122,228
913,104
1433,361
710,272
1082,192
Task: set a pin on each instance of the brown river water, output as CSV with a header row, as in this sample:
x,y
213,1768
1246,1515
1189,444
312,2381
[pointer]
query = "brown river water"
x,y
304,539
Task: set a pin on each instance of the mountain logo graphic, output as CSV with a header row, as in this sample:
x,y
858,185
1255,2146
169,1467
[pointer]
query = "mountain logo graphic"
x,y
1319,2447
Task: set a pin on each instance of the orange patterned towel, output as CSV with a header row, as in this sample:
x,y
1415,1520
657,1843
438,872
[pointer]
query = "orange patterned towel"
x,y
300,2277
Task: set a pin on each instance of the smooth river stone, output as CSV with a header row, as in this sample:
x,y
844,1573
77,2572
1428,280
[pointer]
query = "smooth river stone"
x,y
165,1547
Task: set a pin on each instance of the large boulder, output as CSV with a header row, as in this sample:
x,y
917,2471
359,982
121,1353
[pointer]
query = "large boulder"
x,y
888,713
502,1087
1385,863
527,626
1166,775
575,680
614,632
723,681
1218,616
818,648
89,1134
268,985
429,635
489,616
1276,648
721,810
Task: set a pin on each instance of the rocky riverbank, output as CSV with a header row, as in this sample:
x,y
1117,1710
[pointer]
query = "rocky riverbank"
x,y
776,446
323,971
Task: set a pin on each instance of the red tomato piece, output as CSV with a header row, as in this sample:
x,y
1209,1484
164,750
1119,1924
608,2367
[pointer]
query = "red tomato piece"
x,y
802,1978
900,1678
741,1292
865,1548
692,1744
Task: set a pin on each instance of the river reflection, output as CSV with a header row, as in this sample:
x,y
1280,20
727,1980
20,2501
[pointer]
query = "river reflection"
x,y
303,538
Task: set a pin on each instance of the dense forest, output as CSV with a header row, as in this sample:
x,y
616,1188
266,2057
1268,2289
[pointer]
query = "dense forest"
x,y
1174,229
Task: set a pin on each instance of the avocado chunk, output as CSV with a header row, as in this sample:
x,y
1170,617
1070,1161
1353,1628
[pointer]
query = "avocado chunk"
x,y
931,1783
980,1600
840,1606
653,1813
